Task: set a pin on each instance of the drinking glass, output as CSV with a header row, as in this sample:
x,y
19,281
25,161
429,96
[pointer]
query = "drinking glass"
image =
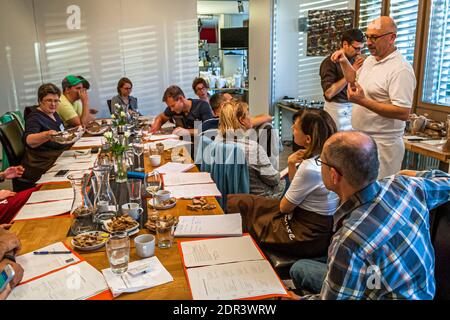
x,y
153,182
134,190
164,231
138,149
118,251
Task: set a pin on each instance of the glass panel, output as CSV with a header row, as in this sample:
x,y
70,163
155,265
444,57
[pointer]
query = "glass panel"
x,y
436,83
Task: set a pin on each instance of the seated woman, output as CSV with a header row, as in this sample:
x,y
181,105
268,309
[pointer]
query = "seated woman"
x,y
40,151
124,97
200,87
301,225
234,123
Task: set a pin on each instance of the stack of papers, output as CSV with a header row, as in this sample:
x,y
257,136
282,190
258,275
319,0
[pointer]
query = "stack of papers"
x,y
77,282
51,195
217,271
226,225
57,277
158,137
44,210
174,167
88,142
180,179
157,275
194,191
36,265
49,177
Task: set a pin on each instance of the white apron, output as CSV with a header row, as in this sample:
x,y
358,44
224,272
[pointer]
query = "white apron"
x,y
341,114
391,150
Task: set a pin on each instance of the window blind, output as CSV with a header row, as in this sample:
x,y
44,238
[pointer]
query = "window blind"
x,y
436,84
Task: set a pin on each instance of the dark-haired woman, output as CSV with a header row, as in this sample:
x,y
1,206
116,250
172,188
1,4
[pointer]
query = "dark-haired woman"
x,y
124,97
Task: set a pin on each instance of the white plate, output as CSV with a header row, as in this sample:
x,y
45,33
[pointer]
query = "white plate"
x,y
131,230
91,248
158,207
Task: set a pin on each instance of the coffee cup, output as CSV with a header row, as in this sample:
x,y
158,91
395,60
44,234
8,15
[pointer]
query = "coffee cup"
x,y
155,160
145,245
163,195
132,209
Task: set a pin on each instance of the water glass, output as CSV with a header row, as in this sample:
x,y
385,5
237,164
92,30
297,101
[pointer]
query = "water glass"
x,y
164,231
134,190
118,251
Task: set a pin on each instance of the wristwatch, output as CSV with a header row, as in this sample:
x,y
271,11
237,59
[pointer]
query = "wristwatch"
x,y
10,257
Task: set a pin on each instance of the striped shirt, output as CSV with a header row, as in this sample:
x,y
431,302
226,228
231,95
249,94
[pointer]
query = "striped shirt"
x,y
382,248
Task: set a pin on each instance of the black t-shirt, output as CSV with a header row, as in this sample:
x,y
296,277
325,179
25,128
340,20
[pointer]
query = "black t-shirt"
x,y
330,73
200,111
209,124
38,122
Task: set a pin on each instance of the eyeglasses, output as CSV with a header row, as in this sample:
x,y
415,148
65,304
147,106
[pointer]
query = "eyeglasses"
x,y
50,101
127,88
320,162
375,38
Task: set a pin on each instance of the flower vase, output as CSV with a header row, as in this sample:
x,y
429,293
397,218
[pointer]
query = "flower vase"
x,y
121,168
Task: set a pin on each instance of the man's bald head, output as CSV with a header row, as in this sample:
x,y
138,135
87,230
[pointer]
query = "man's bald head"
x,y
384,24
355,155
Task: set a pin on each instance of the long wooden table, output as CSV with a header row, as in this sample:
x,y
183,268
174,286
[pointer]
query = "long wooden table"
x,y
35,234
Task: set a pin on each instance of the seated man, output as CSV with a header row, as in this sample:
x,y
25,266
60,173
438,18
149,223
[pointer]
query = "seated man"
x,y
9,247
181,111
382,247
216,101
11,202
74,106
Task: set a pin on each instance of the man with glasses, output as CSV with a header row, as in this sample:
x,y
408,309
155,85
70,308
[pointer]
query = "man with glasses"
x,y
381,248
74,107
333,82
382,93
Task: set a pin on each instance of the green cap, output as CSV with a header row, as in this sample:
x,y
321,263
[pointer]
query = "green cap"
x,y
71,81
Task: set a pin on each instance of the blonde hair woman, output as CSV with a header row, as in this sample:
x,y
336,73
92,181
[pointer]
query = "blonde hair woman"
x,y
234,124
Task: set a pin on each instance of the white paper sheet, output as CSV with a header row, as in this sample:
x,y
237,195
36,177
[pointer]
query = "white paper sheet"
x,y
77,282
226,225
194,191
37,265
50,195
119,284
70,160
170,144
158,137
49,177
43,210
86,142
75,153
234,281
180,179
74,166
218,251
174,167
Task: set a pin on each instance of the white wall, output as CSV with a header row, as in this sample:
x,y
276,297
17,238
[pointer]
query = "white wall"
x,y
260,50
153,42
224,7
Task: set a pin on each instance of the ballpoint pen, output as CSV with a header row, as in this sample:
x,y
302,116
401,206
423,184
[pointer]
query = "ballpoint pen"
x,y
52,252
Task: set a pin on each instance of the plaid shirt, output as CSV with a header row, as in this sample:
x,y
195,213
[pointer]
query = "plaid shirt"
x,y
382,248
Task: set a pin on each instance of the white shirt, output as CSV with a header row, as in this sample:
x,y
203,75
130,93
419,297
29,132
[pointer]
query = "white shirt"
x,y
308,192
390,80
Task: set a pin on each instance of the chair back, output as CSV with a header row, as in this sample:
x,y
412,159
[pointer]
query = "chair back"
x,y
109,105
227,164
440,237
268,139
11,133
29,110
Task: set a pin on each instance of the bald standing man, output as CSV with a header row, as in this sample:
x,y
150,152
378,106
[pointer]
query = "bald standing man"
x,y
381,92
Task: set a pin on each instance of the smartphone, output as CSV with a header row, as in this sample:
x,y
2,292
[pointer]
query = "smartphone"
x,y
61,173
6,276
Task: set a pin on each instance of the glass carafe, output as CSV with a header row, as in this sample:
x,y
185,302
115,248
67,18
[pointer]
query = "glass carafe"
x,y
82,208
105,204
